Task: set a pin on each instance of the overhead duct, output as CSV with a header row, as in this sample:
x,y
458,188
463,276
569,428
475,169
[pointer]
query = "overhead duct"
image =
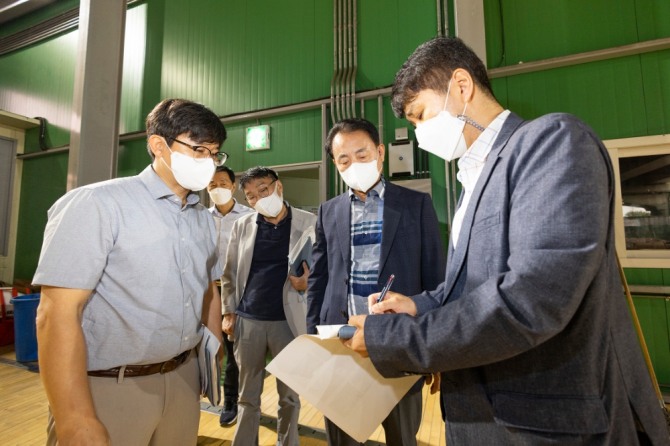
x,y
44,30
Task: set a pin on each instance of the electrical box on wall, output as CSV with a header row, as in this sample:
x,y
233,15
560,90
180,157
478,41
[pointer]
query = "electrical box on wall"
x,y
401,158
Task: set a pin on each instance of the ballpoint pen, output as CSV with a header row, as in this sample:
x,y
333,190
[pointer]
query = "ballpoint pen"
x,y
386,288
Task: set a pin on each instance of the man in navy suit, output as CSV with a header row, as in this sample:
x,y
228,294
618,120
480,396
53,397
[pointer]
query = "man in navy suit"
x,y
364,235
530,329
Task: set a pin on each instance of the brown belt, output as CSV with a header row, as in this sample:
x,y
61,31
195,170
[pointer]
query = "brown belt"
x,y
145,369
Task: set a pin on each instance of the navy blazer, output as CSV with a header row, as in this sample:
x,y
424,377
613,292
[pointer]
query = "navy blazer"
x,y
531,328
411,249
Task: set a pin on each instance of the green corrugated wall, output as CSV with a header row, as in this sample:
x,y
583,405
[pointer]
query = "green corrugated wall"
x,y
241,56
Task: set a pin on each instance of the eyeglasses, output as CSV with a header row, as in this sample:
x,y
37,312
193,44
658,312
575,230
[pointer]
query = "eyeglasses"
x,y
263,192
202,152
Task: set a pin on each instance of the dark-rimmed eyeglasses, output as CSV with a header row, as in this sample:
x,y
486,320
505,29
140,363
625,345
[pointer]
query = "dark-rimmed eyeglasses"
x,y
201,152
263,192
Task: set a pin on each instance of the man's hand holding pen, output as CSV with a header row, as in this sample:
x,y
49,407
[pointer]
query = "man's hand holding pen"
x,y
392,303
383,302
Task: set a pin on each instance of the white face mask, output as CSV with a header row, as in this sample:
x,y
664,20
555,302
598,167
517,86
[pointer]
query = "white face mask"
x,y
220,195
192,174
271,205
361,176
442,135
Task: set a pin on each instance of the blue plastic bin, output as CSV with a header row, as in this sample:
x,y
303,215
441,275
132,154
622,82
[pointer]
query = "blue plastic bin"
x,y
25,331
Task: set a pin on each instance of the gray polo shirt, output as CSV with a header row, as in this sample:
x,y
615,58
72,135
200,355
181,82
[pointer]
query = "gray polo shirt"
x,y
224,224
147,259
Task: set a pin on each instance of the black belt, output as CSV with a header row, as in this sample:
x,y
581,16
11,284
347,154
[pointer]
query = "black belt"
x,y
145,369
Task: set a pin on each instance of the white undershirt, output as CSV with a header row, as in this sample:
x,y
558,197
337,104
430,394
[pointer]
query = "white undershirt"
x,y
470,167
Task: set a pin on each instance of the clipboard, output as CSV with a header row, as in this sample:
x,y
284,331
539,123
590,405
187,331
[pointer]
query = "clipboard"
x,y
209,365
301,253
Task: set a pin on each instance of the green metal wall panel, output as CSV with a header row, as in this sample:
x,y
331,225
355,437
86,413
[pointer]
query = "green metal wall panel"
x,y
535,30
653,18
388,33
295,138
655,69
645,276
608,95
36,198
133,157
653,316
38,81
241,56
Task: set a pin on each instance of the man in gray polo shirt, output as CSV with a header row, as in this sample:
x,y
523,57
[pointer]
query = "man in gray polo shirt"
x,y
127,270
226,210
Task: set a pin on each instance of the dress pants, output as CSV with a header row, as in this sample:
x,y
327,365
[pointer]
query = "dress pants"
x,y
155,410
231,373
400,427
253,339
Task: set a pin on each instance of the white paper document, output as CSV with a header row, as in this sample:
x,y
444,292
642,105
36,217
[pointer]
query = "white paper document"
x,y
345,387
328,331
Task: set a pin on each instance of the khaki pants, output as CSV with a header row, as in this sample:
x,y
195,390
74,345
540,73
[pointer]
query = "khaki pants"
x,y
252,340
147,410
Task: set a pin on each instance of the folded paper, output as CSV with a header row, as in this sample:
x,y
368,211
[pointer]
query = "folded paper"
x,y
341,384
210,366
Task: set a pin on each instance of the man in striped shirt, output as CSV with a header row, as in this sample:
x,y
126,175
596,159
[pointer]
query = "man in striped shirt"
x,y
364,235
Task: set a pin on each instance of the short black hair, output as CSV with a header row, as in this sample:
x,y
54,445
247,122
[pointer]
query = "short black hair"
x,y
255,173
228,170
351,125
173,117
431,66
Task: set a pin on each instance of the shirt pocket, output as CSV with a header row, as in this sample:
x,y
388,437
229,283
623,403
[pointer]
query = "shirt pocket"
x,y
485,222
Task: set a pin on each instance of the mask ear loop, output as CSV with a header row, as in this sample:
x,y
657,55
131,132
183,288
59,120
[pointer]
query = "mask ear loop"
x,y
444,107
163,159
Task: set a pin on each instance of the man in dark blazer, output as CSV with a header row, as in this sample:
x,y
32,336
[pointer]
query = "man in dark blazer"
x,y
395,231
530,330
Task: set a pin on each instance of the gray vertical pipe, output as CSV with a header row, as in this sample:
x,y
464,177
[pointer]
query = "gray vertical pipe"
x,y
94,137
333,81
380,118
438,4
347,55
340,62
445,17
354,68
324,176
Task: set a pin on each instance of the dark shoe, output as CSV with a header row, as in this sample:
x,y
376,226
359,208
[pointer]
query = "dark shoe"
x,y
228,414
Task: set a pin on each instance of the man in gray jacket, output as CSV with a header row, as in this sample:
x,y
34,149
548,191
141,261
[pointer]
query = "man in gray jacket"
x,y
263,305
530,329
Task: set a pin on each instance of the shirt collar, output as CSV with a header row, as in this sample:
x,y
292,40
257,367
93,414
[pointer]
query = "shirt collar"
x,y
289,214
236,209
481,147
158,189
377,190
